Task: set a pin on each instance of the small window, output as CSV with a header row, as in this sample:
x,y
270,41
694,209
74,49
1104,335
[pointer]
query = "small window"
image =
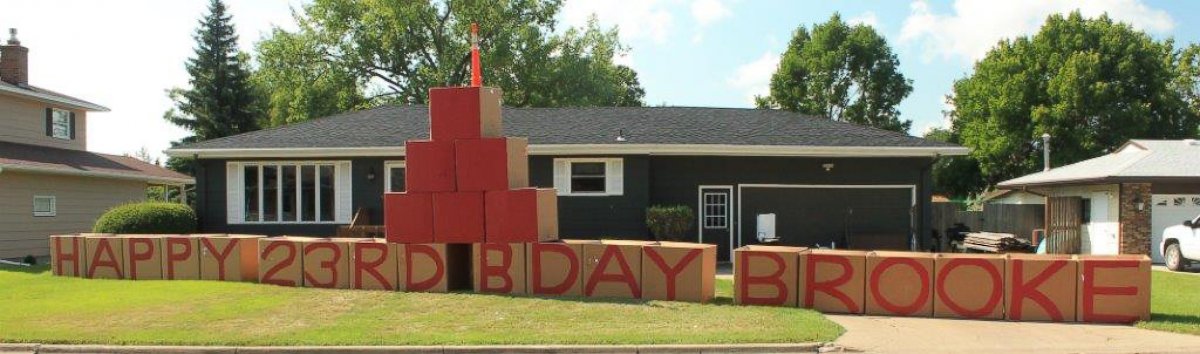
x,y
60,124
1085,213
588,177
394,178
43,206
716,210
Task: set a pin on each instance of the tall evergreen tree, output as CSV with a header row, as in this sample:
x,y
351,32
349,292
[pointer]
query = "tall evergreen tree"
x,y
221,100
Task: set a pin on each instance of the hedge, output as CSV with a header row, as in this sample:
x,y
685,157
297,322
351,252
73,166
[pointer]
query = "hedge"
x,y
669,222
147,218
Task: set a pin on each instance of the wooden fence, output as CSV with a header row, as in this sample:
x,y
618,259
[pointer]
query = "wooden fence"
x,y
1017,219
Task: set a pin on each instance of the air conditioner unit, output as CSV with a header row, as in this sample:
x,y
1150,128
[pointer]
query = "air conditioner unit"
x,y
766,228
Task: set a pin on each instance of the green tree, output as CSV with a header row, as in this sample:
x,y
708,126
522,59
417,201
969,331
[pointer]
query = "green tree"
x,y
957,177
1092,84
221,100
350,53
842,72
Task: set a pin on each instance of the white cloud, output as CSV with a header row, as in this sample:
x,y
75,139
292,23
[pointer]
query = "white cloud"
x,y
867,18
754,78
974,26
707,12
635,19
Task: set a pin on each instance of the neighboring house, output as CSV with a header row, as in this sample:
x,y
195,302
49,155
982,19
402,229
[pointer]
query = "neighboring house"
x,y
1121,202
1011,196
823,180
49,182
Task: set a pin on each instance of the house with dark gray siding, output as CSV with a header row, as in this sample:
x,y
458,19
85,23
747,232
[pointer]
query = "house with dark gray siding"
x,y
749,174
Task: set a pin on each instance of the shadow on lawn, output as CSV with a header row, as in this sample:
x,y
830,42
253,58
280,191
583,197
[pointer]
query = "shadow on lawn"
x,y
1175,318
38,269
715,301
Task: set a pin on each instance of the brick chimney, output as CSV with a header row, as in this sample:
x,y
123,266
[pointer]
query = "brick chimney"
x,y
14,61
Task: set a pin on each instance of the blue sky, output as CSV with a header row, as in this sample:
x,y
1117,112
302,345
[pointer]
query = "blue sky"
x,y
125,54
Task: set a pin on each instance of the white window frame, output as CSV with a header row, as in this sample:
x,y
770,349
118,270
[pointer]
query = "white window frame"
x,y
722,217
236,199
55,114
52,201
387,173
614,176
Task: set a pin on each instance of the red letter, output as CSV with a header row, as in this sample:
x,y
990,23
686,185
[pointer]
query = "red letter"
x,y
439,268
997,285
1029,290
487,271
220,256
331,264
744,279
829,287
671,272
269,276
922,297
1090,290
626,276
60,257
135,256
173,257
572,271
104,248
361,265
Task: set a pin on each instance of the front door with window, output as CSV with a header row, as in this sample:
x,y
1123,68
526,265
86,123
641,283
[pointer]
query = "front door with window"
x,y
716,216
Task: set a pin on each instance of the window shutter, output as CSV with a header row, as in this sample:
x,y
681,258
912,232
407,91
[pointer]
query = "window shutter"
x,y
344,192
615,177
562,176
234,190
72,128
49,122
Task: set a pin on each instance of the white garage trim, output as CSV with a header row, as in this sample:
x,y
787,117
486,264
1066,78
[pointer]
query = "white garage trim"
x,y
911,187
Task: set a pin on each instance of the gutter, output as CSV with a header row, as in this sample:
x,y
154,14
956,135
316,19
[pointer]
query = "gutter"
x,y
122,176
54,99
597,149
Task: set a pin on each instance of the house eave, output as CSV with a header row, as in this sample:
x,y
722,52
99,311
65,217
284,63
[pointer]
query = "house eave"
x,y
596,149
96,174
74,104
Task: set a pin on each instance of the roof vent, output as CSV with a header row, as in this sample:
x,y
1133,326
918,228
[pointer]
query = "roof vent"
x,y
621,136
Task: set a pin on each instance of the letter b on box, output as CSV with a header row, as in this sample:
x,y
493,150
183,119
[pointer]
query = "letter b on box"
x,y
498,268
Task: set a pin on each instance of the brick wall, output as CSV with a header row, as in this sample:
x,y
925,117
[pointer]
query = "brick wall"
x,y
1134,237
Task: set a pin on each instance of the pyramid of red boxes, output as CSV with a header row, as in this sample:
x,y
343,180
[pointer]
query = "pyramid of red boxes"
x,y
468,183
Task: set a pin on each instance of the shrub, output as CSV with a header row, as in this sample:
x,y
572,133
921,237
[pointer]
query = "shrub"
x,y
669,222
30,260
147,218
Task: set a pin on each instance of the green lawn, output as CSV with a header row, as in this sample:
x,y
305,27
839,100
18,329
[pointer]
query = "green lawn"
x,y
1175,303
37,307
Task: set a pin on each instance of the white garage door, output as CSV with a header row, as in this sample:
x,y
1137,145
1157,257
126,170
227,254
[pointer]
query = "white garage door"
x,y
1169,210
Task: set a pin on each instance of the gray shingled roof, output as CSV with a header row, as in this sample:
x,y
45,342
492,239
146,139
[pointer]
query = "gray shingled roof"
x,y
392,125
1136,160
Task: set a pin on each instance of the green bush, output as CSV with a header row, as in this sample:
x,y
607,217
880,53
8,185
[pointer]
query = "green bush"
x,y
670,222
147,218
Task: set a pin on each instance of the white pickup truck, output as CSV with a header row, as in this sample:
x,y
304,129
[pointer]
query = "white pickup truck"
x,y
1181,244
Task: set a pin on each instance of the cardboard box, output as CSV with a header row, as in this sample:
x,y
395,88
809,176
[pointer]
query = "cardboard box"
x,y
280,261
521,215
1040,287
458,217
143,256
464,113
899,283
67,255
181,257
408,217
498,268
1113,289
554,268
104,256
429,166
679,271
833,281
613,268
766,275
326,263
491,164
435,268
968,285
374,265
229,257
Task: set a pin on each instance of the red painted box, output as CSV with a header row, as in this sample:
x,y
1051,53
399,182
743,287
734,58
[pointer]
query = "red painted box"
x,y
429,166
408,217
521,215
458,217
491,164
464,113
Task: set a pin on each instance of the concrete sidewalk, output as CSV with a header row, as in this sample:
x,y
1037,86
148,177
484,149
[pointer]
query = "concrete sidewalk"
x,y
679,348
874,334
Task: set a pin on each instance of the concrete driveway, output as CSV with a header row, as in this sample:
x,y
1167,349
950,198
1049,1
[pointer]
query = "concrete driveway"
x,y
932,335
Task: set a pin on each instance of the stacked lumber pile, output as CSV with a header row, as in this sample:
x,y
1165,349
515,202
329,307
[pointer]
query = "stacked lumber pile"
x,y
996,242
